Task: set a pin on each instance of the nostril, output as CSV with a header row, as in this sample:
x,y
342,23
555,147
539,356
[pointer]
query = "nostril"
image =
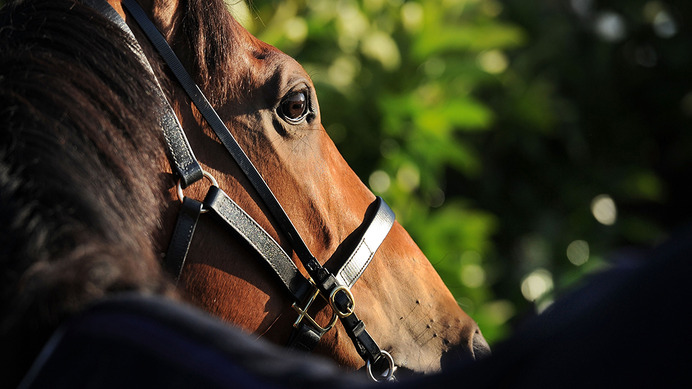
x,y
475,348
481,349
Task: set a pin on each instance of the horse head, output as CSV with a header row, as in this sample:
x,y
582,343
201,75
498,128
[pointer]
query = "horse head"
x,y
269,104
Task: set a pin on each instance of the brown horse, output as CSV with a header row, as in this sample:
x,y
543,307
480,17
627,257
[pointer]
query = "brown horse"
x,y
98,183
267,101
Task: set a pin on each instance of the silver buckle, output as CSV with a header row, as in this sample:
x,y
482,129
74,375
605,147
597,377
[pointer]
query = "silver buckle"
x,y
387,375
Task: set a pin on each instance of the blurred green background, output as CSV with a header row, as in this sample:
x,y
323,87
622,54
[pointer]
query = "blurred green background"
x,y
523,144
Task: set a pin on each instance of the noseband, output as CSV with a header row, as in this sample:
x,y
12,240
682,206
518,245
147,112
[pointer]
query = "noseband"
x,y
335,289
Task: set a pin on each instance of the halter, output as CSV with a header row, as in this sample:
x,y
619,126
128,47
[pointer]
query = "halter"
x,y
335,289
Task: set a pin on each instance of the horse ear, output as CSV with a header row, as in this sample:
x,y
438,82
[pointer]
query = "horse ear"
x,y
118,7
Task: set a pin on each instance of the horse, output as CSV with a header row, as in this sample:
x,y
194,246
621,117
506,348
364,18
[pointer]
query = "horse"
x,y
268,103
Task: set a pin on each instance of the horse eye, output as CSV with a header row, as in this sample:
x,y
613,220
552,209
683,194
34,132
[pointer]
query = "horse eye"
x,y
294,107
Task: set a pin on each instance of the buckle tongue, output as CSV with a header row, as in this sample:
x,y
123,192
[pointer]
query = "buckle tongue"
x,y
303,312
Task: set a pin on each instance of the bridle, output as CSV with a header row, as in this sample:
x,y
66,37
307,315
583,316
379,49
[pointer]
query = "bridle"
x,y
335,289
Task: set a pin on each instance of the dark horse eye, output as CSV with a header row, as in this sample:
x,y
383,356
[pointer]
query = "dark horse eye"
x,y
294,107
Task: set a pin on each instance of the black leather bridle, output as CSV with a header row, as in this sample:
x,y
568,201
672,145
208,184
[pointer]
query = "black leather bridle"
x,y
334,288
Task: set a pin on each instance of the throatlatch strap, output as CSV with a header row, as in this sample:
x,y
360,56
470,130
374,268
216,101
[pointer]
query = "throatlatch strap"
x,y
182,236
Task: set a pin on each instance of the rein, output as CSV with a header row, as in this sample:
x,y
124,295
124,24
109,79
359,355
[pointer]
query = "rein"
x,y
335,289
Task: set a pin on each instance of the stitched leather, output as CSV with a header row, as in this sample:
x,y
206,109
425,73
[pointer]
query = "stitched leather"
x,y
373,237
257,238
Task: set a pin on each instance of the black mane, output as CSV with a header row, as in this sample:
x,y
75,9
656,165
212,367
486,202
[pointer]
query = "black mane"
x,y
79,189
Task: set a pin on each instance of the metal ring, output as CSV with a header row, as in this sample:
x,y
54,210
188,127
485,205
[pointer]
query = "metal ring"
x,y
206,175
388,374
332,296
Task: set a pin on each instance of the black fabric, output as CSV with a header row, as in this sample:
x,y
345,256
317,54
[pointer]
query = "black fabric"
x,y
629,327
182,236
135,341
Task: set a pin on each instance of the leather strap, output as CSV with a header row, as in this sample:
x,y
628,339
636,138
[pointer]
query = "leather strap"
x,y
305,336
159,42
241,223
183,159
182,236
373,237
365,345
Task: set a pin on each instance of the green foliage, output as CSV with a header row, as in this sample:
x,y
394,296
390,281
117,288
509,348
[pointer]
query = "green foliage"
x,y
520,143
396,82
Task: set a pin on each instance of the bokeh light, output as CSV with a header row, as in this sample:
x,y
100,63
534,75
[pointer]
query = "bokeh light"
x,y
408,177
604,210
296,29
536,284
578,252
610,26
473,276
493,61
379,181
661,20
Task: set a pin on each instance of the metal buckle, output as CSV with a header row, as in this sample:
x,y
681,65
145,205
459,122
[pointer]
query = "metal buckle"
x,y
303,312
388,374
206,175
332,297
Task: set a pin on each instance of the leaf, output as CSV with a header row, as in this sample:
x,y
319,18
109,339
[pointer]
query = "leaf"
x,y
473,38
